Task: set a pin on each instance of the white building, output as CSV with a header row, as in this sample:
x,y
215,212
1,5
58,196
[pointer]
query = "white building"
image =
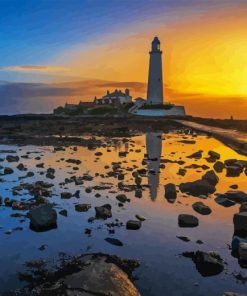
x,y
154,105
115,98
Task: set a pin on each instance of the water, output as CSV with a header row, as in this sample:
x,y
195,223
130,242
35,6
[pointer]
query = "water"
x,y
163,271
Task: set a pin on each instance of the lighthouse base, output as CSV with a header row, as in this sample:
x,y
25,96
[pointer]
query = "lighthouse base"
x,y
159,112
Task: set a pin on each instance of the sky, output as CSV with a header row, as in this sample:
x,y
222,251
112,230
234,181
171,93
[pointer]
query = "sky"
x,y
57,51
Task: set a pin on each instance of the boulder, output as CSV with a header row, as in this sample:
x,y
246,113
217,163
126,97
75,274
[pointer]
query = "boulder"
x,y
233,171
201,208
222,200
196,155
185,220
236,240
12,158
236,196
138,192
8,171
133,224
243,207
211,177
219,166
82,207
240,223
43,218
21,167
214,155
207,264
66,195
114,241
197,188
122,198
103,212
170,192
242,251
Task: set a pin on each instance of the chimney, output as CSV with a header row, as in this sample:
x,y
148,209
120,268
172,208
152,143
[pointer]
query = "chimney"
x,y
107,92
127,92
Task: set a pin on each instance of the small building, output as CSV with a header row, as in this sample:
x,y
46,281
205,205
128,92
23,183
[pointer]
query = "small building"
x,y
115,98
70,106
86,104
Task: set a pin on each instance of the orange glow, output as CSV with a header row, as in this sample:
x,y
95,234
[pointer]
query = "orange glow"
x,y
204,61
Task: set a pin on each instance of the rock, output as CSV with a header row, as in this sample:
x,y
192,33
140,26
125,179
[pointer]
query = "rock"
x,y
88,190
133,224
66,195
236,240
236,196
170,192
82,207
141,218
77,194
196,155
100,276
184,238
219,166
211,177
242,250
8,171
11,158
240,223
233,171
243,207
21,167
43,218
122,153
138,192
103,212
73,161
64,213
224,201
185,220
114,241
122,198
201,208
214,155
182,172
197,188
138,180
207,264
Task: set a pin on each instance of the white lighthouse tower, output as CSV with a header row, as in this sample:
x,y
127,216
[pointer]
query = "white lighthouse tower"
x,y
155,81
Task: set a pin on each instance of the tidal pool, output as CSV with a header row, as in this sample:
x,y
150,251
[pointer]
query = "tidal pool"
x,y
163,271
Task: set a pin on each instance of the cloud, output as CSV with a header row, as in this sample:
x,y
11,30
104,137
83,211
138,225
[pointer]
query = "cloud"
x,y
35,69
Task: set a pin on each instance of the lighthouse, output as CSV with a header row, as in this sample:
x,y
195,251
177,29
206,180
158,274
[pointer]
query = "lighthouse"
x,y
155,81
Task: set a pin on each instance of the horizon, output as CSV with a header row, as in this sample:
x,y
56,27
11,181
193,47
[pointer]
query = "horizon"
x,y
71,51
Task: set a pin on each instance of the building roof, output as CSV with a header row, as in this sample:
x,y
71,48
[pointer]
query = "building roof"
x,y
116,93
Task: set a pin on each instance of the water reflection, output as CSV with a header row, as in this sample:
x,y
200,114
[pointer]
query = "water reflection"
x,y
154,150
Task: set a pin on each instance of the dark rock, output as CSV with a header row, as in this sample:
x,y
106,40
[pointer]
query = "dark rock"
x,y
182,172
233,171
64,213
114,241
224,201
184,238
122,198
240,223
211,177
21,167
11,158
170,192
66,195
207,264
8,171
185,220
197,188
214,155
103,212
133,224
243,207
196,155
43,218
201,208
82,207
219,166
138,193
236,196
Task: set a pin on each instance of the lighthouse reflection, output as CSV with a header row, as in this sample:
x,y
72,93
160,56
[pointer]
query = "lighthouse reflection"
x,y
154,150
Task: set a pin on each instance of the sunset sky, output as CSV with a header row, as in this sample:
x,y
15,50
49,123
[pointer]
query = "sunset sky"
x,y
70,50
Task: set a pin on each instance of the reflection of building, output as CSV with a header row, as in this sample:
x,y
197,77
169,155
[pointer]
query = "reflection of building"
x,y
115,98
154,150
